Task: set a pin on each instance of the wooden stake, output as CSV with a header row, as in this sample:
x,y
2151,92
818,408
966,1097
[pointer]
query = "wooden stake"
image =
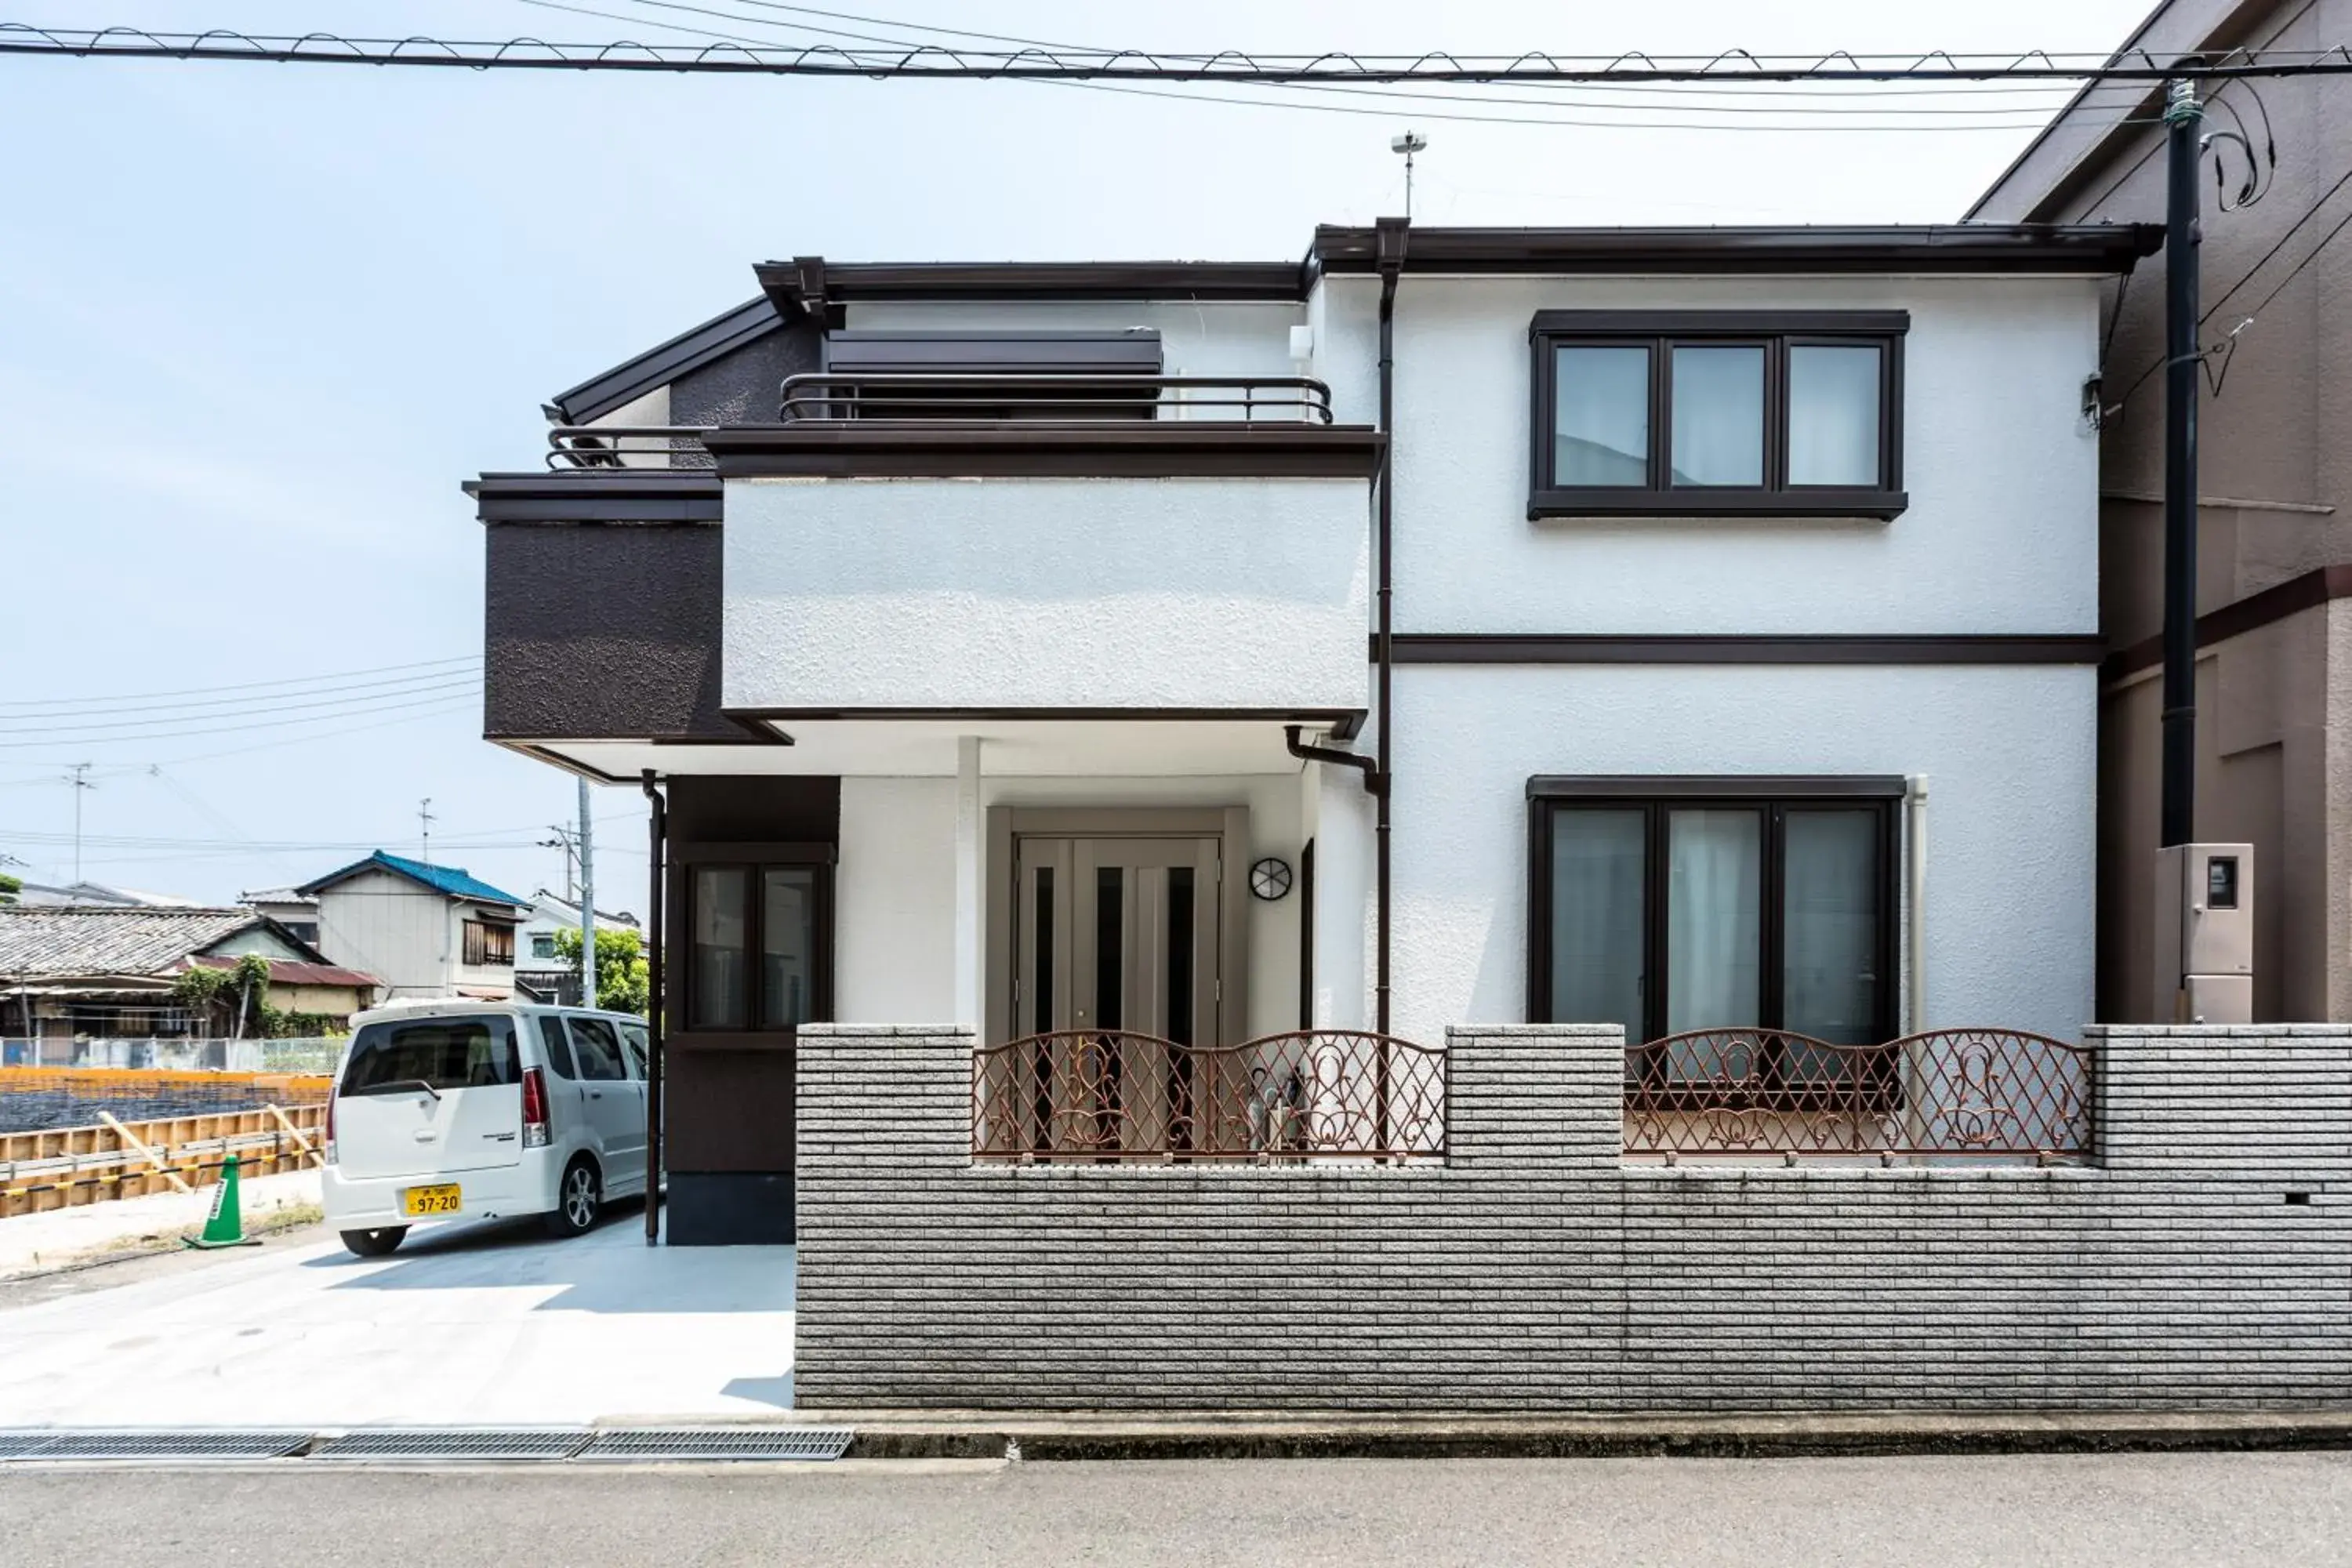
x,y
150,1156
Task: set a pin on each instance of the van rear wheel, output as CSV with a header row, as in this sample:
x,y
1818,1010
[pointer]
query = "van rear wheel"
x,y
377,1243
576,1200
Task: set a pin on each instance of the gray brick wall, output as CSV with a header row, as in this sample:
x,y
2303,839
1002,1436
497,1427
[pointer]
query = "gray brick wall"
x,y
1533,1271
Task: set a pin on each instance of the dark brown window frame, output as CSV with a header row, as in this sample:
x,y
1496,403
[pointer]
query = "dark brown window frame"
x,y
1659,331
689,857
481,942
1775,795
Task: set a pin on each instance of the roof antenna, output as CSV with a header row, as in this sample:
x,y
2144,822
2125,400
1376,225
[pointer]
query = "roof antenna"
x,y
424,829
1409,143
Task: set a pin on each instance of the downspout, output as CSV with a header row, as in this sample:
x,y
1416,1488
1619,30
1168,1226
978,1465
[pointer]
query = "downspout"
x,y
1916,916
1290,733
1389,237
657,844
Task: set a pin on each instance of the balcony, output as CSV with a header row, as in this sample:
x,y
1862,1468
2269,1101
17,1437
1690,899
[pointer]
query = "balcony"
x,y
1036,544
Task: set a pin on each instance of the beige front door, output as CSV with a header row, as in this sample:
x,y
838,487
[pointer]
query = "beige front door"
x,y
1119,932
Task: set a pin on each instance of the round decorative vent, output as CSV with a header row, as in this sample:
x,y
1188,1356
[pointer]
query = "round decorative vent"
x,y
1270,879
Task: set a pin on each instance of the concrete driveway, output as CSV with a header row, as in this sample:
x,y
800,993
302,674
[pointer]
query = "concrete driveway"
x,y
471,1323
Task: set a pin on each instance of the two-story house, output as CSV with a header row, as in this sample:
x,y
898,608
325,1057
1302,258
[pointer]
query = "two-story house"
x,y
2274,689
541,970
425,930
1680,628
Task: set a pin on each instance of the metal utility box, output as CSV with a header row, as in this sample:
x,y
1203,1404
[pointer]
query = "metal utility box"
x,y
2205,933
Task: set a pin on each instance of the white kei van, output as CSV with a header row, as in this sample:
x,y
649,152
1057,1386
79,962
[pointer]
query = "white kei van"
x,y
456,1109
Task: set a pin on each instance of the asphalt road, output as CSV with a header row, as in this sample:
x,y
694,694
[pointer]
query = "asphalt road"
x,y
2214,1511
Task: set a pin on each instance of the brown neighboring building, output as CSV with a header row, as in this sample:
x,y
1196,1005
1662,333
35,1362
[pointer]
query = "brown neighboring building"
x,y
2274,565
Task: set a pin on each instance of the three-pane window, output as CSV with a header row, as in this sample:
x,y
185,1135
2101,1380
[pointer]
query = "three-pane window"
x,y
1708,413
1711,908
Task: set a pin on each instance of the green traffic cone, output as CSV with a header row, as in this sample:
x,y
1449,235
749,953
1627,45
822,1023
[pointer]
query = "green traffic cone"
x,y
224,1227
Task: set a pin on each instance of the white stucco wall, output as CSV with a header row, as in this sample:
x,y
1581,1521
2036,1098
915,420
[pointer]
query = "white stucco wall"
x,y
2000,534
1118,592
2008,752
894,902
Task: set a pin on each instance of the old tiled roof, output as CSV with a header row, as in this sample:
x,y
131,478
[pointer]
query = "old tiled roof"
x,y
294,972
73,942
450,880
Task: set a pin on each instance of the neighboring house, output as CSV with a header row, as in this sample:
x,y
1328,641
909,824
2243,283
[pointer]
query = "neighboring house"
x,y
538,973
97,895
69,973
287,907
1023,669
2274,552
429,931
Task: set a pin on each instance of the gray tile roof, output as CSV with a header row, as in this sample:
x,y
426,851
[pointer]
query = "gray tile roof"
x,y
75,942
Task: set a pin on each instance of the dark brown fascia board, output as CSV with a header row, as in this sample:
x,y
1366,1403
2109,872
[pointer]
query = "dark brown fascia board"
x,y
808,285
664,362
1741,647
2094,248
2319,586
1031,448
1315,716
1717,786
598,495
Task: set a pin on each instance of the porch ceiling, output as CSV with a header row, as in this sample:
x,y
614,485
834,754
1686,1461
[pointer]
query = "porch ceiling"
x,y
1014,748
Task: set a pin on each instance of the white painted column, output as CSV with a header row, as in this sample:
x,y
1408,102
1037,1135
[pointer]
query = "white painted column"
x,y
1343,899
971,879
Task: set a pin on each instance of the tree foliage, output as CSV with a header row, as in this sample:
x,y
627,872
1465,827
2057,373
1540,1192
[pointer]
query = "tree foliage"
x,y
623,979
237,996
9,887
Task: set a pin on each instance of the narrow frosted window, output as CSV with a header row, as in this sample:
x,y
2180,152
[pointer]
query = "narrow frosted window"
x,y
1601,416
1833,399
1718,422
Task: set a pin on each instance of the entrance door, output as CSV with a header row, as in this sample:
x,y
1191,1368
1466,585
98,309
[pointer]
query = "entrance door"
x,y
1115,950
1118,933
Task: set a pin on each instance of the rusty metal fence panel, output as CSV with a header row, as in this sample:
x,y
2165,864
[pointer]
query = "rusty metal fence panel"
x,y
1947,1092
1095,1095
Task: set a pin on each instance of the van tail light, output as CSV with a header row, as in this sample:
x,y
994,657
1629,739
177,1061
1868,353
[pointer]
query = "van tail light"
x,y
331,1124
534,1108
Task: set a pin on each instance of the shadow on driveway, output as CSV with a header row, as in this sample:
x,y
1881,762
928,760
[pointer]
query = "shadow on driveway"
x,y
610,1269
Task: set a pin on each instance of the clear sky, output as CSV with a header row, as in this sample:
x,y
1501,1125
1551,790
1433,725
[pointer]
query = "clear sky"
x,y
256,323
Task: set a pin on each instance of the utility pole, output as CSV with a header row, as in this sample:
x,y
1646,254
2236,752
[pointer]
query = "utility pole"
x,y
425,830
587,901
2183,114
562,840
80,781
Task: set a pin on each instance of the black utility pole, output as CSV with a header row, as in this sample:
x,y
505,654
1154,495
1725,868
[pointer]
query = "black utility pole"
x,y
2182,117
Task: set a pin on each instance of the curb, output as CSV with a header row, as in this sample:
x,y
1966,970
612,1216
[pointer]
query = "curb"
x,y
1048,1440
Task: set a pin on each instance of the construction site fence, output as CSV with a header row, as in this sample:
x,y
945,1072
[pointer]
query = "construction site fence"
x,y
316,1053
66,1167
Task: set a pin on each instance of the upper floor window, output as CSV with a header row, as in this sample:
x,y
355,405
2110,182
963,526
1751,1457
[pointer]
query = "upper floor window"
x,y
1701,414
487,944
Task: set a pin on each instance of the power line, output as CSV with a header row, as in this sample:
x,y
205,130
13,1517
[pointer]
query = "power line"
x,y
248,685
59,727
938,62
216,729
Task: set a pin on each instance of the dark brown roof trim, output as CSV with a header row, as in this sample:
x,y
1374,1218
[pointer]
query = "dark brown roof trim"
x,y
556,759
1189,715
2096,249
1742,647
598,495
806,285
664,362
1034,448
2319,586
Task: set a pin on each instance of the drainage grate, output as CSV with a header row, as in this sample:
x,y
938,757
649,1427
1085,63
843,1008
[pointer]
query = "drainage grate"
x,y
453,1443
719,1443
135,1445
18,1445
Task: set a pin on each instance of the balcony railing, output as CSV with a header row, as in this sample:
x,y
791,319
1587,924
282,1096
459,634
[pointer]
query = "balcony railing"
x,y
620,447
1088,1096
823,395
1946,1093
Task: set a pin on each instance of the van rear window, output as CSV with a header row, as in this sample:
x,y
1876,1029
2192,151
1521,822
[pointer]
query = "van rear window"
x,y
439,1052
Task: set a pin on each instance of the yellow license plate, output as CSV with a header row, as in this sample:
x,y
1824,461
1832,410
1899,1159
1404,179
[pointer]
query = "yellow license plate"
x,y
445,1199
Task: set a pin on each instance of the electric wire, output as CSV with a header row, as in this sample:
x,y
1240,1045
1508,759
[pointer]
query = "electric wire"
x,y
62,729
244,685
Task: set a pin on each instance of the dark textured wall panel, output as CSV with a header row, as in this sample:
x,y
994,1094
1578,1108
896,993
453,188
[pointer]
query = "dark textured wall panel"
x,y
602,630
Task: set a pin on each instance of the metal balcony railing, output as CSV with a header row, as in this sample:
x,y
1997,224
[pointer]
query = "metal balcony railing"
x,y
1086,1096
623,446
1948,1093
824,396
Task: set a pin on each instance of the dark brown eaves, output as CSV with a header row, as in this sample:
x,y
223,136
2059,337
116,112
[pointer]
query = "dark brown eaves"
x,y
1033,449
2093,249
808,285
598,495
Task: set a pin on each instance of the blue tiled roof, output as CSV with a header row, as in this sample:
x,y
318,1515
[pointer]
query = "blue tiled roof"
x,y
450,880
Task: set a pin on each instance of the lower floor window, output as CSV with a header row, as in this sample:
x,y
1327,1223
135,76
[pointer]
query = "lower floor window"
x,y
1708,904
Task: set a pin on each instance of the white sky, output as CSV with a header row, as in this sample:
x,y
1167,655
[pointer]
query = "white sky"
x,y
256,323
